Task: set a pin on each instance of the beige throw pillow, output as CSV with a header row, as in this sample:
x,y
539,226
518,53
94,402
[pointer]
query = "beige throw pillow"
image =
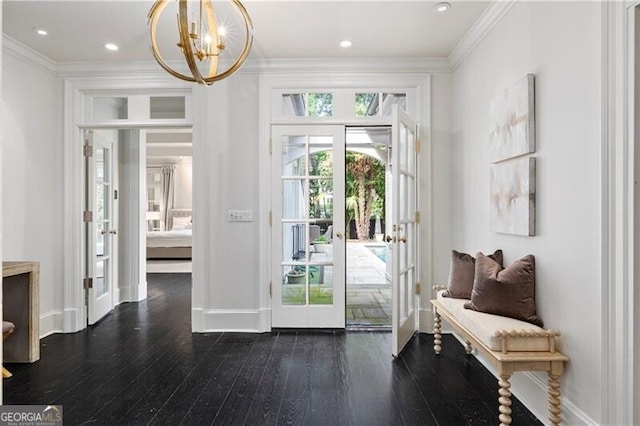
x,y
509,291
461,273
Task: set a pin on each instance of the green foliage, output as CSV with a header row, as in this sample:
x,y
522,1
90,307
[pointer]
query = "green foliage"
x,y
362,103
318,295
320,104
321,190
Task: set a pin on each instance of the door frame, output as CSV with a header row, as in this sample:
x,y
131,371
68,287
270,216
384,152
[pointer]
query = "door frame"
x,y
78,92
418,88
620,207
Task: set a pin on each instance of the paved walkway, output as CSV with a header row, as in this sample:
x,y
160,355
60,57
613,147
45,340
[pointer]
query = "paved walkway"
x,y
368,290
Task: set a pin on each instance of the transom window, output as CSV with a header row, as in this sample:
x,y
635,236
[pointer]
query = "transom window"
x,y
307,104
347,105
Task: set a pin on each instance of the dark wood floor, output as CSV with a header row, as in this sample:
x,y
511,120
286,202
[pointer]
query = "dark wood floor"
x,y
142,365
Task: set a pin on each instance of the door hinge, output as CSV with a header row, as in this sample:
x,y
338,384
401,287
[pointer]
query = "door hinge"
x,y
418,145
87,150
87,216
270,146
87,283
417,216
417,288
115,194
270,218
270,289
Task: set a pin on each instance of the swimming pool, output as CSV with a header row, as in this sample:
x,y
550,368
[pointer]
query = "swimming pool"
x,y
379,251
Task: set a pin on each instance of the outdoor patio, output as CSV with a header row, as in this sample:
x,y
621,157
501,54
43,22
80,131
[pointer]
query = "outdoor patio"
x,y
368,290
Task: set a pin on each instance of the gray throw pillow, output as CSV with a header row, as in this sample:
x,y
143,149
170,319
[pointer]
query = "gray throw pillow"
x,y
462,272
509,291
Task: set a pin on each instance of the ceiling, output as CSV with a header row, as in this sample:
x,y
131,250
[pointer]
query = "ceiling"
x,y
282,29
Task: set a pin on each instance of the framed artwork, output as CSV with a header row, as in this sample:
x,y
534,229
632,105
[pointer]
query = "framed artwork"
x,y
513,196
512,114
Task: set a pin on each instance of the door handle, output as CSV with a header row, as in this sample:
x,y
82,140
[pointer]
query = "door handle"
x,y
113,232
390,239
339,235
403,239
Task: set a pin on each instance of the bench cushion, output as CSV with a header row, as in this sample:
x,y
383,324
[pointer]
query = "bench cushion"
x,y
484,327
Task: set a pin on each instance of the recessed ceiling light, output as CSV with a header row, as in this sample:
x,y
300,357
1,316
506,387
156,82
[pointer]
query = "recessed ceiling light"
x,y
41,31
111,46
345,43
442,7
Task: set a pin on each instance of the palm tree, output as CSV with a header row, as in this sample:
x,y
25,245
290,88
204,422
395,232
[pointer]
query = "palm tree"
x,y
363,171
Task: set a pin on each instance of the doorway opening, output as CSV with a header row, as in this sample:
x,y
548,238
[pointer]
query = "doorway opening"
x,y
368,258
168,200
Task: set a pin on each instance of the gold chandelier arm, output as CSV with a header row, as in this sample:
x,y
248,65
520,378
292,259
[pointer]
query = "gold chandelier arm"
x,y
213,33
154,15
183,28
245,50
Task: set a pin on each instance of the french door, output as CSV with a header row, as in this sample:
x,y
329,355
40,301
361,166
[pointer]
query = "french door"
x,y
99,216
308,243
405,217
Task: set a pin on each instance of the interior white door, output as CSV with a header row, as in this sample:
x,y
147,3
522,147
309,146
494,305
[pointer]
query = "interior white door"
x,y
404,237
308,223
99,217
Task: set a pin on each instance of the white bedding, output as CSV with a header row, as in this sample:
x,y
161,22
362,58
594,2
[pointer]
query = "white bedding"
x,y
180,238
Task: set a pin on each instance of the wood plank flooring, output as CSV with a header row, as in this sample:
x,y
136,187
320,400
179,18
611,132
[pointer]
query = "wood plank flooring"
x,y
141,365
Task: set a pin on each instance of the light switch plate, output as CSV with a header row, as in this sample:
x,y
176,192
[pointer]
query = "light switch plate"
x,y
240,216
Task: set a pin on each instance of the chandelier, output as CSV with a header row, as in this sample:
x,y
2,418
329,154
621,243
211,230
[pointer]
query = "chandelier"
x,y
202,39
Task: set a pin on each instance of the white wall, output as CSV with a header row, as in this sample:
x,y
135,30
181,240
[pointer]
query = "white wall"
x,y
32,163
183,189
441,177
226,164
132,278
560,43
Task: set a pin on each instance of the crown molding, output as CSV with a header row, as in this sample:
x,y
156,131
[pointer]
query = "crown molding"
x,y
255,66
23,52
105,69
491,16
324,65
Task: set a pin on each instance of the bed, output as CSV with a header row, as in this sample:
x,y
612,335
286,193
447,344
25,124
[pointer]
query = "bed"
x,y
173,244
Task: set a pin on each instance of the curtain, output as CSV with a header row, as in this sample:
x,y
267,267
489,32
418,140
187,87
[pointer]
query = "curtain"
x,y
168,183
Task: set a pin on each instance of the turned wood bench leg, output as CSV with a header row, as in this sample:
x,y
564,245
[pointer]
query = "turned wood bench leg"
x,y
437,337
505,399
554,395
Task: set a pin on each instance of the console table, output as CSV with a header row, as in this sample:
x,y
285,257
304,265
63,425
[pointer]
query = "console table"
x,y
21,307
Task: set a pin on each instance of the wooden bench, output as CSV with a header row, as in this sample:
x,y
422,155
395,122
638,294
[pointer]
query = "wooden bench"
x,y
525,347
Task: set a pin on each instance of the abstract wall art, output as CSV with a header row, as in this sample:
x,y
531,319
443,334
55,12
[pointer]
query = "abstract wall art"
x,y
512,115
513,193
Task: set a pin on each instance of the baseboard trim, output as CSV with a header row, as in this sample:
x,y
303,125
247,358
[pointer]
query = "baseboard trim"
x,y
229,320
131,293
425,324
531,389
70,321
50,323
